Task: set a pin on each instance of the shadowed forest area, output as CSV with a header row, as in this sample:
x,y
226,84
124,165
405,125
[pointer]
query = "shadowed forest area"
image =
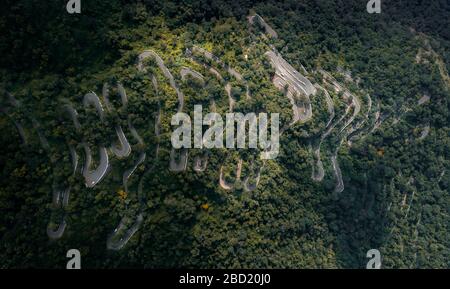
x,y
89,98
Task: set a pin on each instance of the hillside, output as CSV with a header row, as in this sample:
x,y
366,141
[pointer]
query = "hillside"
x,y
86,156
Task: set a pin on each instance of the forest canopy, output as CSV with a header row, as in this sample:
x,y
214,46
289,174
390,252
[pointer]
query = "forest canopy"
x,y
364,148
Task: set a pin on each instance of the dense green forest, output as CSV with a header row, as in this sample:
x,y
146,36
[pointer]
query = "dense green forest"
x,y
369,169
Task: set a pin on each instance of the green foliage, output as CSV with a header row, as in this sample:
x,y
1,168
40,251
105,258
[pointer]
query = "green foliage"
x,y
289,221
